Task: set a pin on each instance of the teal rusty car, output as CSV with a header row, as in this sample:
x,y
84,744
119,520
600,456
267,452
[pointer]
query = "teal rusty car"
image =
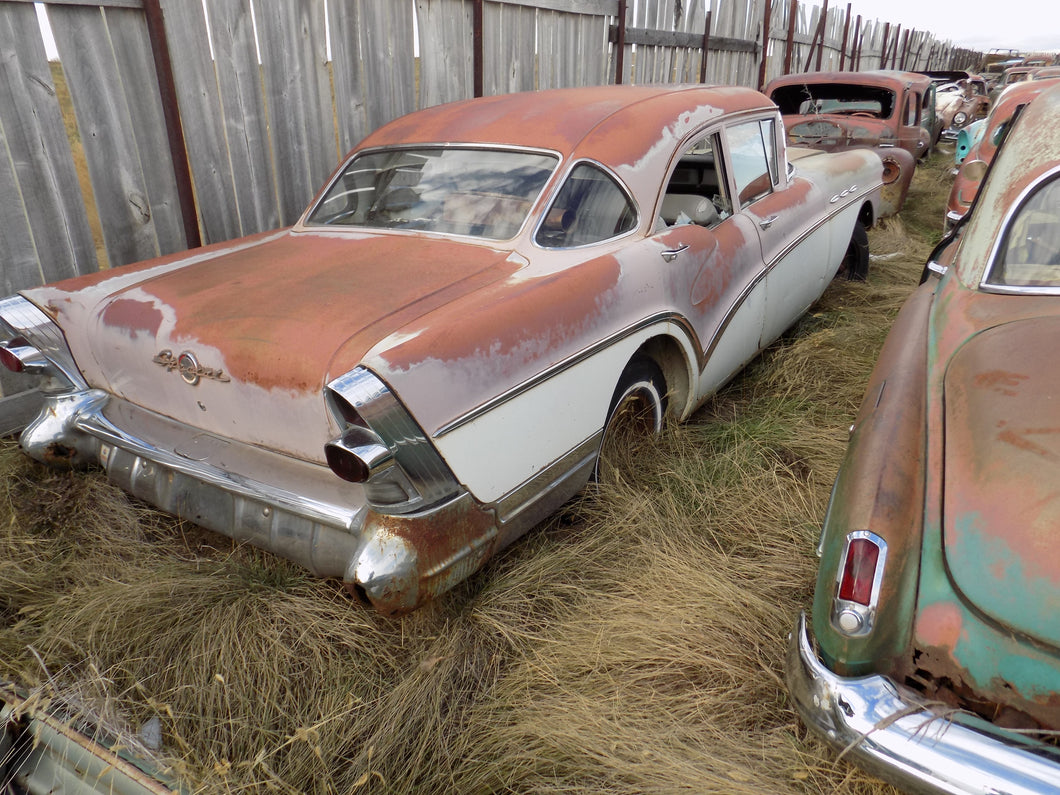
x,y
933,654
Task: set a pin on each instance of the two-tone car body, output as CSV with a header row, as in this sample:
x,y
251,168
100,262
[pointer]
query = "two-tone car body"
x,y
889,112
934,653
428,362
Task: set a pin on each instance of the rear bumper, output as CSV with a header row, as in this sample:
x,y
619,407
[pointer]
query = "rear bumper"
x,y
885,730
296,509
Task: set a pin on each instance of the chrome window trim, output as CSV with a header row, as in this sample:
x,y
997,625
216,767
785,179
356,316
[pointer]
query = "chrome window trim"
x,y
985,285
554,194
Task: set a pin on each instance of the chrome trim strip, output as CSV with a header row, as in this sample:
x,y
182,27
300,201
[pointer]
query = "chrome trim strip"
x,y
660,317
545,483
566,364
887,731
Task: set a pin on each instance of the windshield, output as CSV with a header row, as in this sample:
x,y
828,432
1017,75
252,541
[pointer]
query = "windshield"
x,y
480,192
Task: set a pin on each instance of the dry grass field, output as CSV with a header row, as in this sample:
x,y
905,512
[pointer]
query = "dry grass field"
x,y
633,644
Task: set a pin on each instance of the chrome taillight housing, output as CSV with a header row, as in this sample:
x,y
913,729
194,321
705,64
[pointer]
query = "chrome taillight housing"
x,y
382,447
858,581
34,345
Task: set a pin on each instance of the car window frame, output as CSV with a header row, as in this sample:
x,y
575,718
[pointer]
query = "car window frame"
x,y
553,194
1000,244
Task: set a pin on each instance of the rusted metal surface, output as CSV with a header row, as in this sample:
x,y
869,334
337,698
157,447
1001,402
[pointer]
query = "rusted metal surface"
x,y
883,131
42,752
207,377
953,462
979,155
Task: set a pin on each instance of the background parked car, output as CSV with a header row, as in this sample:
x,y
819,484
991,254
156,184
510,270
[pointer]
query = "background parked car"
x,y
979,146
934,655
431,360
890,112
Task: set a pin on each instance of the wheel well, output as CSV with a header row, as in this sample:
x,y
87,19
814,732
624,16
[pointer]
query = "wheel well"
x,y
667,354
866,215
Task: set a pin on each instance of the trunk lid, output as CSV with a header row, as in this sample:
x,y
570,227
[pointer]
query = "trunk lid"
x,y
1001,508
239,340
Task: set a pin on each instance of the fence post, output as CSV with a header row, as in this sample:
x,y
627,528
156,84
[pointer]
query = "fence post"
x,y
706,49
843,49
766,23
793,12
822,25
167,89
477,55
620,43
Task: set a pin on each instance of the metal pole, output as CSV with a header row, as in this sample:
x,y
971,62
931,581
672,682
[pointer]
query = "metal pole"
x,y
167,90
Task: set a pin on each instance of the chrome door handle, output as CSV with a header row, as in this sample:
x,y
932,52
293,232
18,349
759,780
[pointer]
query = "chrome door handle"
x,y
671,254
765,223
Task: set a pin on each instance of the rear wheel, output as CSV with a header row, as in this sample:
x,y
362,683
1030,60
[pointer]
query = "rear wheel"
x,y
637,411
855,265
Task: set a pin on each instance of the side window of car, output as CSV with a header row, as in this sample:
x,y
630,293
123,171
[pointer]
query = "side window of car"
x,y
696,192
590,207
912,109
752,147
1030,253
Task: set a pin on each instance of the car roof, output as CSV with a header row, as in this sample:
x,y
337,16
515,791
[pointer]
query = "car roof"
x,y
564,120
879,77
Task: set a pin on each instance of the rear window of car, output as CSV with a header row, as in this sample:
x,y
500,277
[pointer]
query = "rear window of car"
x,y
462,191
590,207
1029,254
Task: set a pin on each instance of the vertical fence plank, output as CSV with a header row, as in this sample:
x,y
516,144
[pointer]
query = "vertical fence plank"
x,y
508,31
388,50
446,62
242,98
132,212
347,73
44,232
298,96
197,95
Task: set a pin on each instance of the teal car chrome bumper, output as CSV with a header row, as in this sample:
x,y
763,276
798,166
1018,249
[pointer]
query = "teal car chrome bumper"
x,y
888,732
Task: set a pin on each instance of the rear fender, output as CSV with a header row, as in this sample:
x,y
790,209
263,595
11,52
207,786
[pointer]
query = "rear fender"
x,y
880,489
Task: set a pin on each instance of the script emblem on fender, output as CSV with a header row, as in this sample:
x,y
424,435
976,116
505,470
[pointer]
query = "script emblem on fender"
x,y
188,367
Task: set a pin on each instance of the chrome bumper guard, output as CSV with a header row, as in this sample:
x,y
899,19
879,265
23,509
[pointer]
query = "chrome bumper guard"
x,y
315,519
904,742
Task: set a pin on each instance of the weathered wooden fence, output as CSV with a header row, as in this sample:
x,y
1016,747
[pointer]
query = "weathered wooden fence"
x,y
202,121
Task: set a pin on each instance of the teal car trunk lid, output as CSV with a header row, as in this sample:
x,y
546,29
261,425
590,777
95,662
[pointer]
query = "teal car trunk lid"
x,y
1001,507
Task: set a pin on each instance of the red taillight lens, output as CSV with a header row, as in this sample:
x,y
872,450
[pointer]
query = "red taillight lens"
x,y
859,573
345,464
10,361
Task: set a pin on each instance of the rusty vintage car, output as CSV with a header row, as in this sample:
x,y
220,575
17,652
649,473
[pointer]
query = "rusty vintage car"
x,y
934,653
959,104
890,112
428,362
977,144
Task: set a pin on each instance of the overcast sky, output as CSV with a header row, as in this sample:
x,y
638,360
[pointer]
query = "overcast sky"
x,y
976,24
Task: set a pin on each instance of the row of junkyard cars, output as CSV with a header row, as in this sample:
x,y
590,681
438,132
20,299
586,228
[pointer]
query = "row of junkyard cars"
x,y
486,293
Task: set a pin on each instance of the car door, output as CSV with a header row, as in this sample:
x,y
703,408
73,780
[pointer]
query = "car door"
x,y
794,248
712,258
